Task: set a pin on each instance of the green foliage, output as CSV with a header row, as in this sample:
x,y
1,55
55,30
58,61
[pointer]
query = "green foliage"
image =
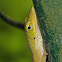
x,y
49,13
13,43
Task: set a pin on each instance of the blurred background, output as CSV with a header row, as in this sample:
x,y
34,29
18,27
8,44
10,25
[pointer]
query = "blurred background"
x,y
13,42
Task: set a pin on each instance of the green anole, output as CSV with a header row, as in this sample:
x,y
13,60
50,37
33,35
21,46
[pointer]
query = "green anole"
x,y
34,37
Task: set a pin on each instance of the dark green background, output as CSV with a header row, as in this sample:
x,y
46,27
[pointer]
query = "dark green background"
x,y
13,43
49,14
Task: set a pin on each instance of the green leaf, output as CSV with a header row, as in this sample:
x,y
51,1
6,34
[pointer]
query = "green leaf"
x,y
49,14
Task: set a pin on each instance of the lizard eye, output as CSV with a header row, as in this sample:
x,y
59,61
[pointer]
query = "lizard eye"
x,y
29,27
